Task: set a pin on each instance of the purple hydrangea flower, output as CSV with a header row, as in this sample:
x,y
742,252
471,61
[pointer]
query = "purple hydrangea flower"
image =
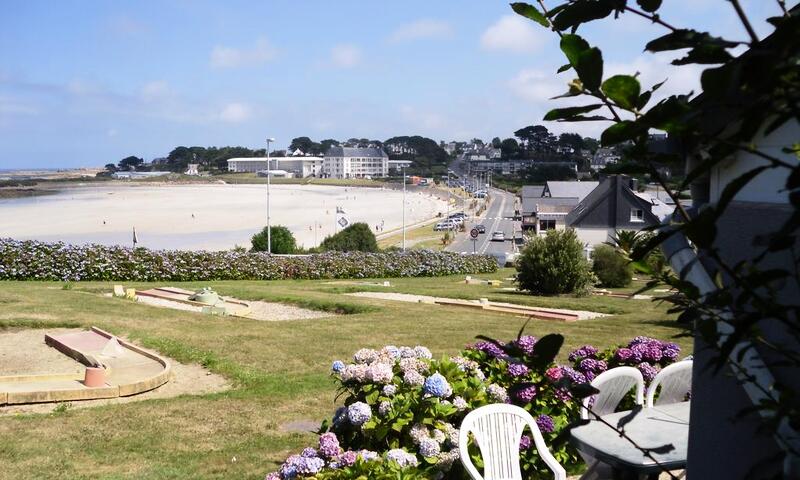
x,y
649,372
526,394
413,378
273,476
428,447
346,459
389,390
460,403
329,445
525,442
592,366
489,348
545,424
624,354
671,351
517,370
526,344
310,465
437,386
586,351
289,468
308,452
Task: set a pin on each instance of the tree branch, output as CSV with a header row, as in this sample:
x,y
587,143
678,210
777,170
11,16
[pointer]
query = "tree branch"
x,y
745,21
653,18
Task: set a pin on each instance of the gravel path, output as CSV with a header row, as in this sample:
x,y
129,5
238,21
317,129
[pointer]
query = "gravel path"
x,y
25,353
264,311
407,297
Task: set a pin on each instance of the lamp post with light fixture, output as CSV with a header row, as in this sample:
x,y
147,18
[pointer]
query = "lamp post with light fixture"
x,y
269,174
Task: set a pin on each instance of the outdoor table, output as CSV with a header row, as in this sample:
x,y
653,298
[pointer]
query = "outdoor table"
x,y
650,428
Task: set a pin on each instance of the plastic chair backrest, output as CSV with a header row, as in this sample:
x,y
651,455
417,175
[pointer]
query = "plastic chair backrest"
x,y
497,430
614,384
675,381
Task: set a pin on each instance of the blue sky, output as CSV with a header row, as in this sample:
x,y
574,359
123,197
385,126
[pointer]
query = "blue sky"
x,y
84,83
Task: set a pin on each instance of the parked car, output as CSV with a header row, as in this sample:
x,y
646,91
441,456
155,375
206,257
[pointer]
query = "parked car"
x,y
444,225
498,237
480,228
479,194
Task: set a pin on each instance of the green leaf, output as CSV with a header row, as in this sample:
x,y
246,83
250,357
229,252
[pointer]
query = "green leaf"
x,y
686,38
620,132
574,14
564,113
587,61
529,11
623,90
704,54
649,5
563,68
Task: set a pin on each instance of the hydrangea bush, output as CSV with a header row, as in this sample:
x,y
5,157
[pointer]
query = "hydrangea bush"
x,y
33,260
403,409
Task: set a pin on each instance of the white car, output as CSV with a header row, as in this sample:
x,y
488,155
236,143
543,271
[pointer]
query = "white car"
x,y
498,237
444,225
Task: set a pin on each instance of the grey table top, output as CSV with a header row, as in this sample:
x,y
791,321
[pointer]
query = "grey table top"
x,y
650,428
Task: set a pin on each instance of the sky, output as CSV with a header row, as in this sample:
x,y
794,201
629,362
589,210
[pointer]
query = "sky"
x,y
85,83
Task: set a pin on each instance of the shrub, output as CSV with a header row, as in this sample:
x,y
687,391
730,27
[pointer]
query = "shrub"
x,y
402,408
282,240
611,268
554,264
358,237
32,260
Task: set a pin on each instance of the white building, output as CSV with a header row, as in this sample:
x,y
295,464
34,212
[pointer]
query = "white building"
x,y
298,166
351,162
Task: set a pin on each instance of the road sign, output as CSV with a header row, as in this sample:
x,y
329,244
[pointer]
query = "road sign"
x,y
474,233
343,222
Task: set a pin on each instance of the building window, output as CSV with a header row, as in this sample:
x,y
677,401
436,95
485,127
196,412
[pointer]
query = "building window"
x,y
547,225
637,215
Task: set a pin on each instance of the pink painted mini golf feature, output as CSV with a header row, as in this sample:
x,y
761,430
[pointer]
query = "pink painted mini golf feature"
x,y
114,368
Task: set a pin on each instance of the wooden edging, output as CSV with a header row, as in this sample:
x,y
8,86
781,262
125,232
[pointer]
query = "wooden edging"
x,y
81,392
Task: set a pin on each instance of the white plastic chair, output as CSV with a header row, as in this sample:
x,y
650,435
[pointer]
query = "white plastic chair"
x,y
675,381
614,384
497,430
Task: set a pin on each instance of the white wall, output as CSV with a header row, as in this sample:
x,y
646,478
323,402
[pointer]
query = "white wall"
x,y
594,236
762,187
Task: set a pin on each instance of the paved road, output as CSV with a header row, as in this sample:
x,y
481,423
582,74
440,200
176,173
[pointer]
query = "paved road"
x,y
498,218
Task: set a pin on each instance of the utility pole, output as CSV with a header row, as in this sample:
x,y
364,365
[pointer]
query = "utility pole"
x,y
269,174
403,170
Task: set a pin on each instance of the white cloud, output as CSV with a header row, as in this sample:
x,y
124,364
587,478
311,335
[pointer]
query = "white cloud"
x,y
229,57
345,55
235,113
157,89
513,33
422,28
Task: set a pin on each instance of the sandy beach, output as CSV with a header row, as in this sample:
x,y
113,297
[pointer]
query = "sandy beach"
x,y
202,217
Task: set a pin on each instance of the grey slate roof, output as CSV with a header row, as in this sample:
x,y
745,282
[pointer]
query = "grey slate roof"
x,y
532,191
570,189
531,205
609,206
355,152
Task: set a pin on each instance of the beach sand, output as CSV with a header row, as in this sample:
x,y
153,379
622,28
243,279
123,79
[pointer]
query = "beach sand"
x,y
203,217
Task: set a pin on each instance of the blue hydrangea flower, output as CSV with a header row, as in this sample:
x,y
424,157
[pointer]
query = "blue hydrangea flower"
x,y
437,386
429,447
338,366
359,413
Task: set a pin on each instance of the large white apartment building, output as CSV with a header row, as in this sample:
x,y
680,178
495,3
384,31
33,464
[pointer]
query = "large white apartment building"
x,y
299,166
350,162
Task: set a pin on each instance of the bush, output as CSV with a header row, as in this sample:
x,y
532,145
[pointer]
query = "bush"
x,y
358,237
402,408
554,264
611,268
32,260
282,240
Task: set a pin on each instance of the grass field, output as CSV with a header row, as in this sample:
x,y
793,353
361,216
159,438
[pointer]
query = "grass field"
x,y
279,369
416,238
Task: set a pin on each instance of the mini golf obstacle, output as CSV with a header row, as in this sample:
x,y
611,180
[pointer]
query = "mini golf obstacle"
x,y
209,301
114,368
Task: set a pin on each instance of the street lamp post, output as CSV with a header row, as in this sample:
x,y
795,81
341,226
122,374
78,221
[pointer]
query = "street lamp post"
x,y
269,174
403,170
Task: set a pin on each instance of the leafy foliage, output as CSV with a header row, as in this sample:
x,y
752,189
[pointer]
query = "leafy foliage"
x,y
357,237
283,241
554,264
612,269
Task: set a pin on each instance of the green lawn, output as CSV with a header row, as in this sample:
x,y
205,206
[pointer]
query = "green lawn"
x,y
279,369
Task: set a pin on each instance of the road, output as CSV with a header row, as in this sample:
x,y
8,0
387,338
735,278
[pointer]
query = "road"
x,y
498,218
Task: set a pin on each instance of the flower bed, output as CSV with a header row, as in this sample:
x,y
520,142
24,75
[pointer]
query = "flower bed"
x,y
32,260
402,408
